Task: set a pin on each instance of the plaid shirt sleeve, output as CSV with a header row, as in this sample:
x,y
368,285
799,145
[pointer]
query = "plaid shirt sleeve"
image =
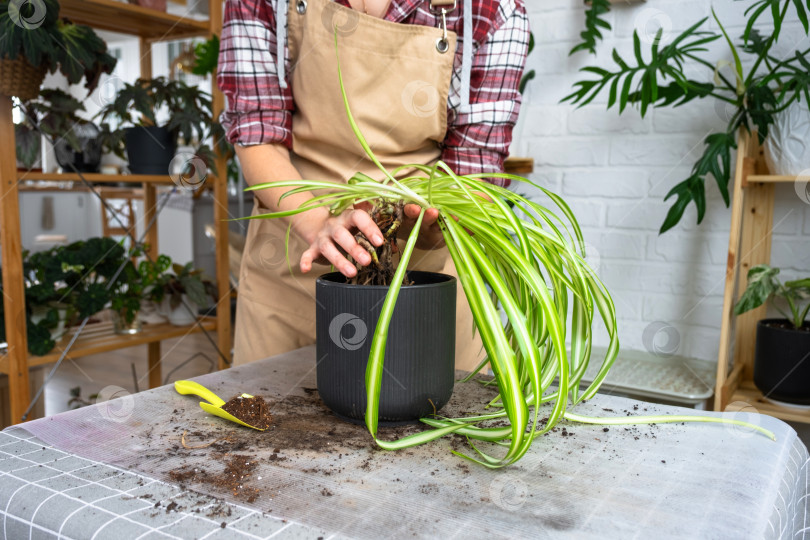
x,y
258,110
478,138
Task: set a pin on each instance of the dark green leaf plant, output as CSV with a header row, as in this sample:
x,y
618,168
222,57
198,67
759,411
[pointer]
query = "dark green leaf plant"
x,y
657,77
34,31
56,113
187,109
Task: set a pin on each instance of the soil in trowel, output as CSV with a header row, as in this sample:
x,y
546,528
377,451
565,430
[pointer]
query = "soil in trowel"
x,y
252,410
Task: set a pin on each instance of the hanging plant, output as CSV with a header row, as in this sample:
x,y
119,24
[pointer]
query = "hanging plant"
x,y
32,33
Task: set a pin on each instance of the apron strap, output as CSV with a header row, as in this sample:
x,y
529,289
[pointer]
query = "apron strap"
x,y
281,41
466,58
440,7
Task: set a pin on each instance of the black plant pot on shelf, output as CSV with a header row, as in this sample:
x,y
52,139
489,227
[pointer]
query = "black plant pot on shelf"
x,y
150,149
782,362
419,367
88,158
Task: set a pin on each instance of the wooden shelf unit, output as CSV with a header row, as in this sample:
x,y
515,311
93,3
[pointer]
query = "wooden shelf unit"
x,y
150,26
99,338
519,165
118,16
95,177
749,245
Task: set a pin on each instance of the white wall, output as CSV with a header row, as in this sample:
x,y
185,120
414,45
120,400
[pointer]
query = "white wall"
x,y
615,170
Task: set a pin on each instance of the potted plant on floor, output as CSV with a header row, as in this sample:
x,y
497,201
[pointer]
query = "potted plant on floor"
x,y
521,261
34,40
150,144
750,94
782,354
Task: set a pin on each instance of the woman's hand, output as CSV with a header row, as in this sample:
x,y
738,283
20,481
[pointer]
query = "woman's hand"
x,y
338,233
430,234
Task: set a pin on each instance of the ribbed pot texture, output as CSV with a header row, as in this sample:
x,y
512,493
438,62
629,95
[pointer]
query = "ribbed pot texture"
x,y
419,367
782,363
150,149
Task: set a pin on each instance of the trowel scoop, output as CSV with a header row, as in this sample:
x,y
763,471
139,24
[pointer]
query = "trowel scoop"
x,y
215,403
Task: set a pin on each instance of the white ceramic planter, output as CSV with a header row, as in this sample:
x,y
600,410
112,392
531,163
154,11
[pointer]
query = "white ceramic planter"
x,y
180,316
151,313
787,148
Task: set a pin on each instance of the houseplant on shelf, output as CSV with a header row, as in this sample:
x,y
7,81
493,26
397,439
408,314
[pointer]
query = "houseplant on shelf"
x,y
34,40
782,354
519,260
150,143
126,295
753,98
178,290
76,142
28,142
65,283
154,279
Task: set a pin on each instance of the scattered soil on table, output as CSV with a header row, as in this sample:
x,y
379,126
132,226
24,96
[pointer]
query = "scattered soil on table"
x,y
250,410
233,479
298,425
303,435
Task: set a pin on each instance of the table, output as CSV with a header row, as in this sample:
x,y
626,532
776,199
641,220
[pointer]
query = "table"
x,y
121,469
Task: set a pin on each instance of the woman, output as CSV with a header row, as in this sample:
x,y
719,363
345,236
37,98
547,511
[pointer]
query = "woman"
x,y
419,90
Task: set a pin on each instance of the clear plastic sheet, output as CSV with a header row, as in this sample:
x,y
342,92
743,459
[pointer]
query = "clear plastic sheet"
x,y
581,481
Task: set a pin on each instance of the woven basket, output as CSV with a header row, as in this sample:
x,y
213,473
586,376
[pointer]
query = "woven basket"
x,y
19,78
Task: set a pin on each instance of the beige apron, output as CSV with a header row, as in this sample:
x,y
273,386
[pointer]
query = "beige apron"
x,y
397,82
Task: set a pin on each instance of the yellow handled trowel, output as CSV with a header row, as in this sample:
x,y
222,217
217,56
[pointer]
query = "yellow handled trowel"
x,y
215,403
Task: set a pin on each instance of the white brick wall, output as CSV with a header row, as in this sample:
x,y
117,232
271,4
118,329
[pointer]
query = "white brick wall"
x,y
614,171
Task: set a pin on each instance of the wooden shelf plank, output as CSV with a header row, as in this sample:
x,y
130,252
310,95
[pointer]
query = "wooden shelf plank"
x,y
774,179
100,338
131,19
96,177
749,394
519,165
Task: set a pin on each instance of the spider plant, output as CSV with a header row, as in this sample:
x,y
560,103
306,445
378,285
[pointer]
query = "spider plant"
x,y
513,256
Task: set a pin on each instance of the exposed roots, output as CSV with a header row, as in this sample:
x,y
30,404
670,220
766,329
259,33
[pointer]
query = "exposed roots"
x,y
388,216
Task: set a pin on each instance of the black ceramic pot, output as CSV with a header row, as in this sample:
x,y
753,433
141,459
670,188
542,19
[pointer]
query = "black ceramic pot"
x,y
419,355
782,362
150,149
88,159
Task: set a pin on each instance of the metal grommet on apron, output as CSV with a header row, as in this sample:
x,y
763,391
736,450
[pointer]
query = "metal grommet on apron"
x,y
438,7
391,71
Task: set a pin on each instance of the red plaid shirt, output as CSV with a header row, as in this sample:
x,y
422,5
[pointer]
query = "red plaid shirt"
x,y
259,110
